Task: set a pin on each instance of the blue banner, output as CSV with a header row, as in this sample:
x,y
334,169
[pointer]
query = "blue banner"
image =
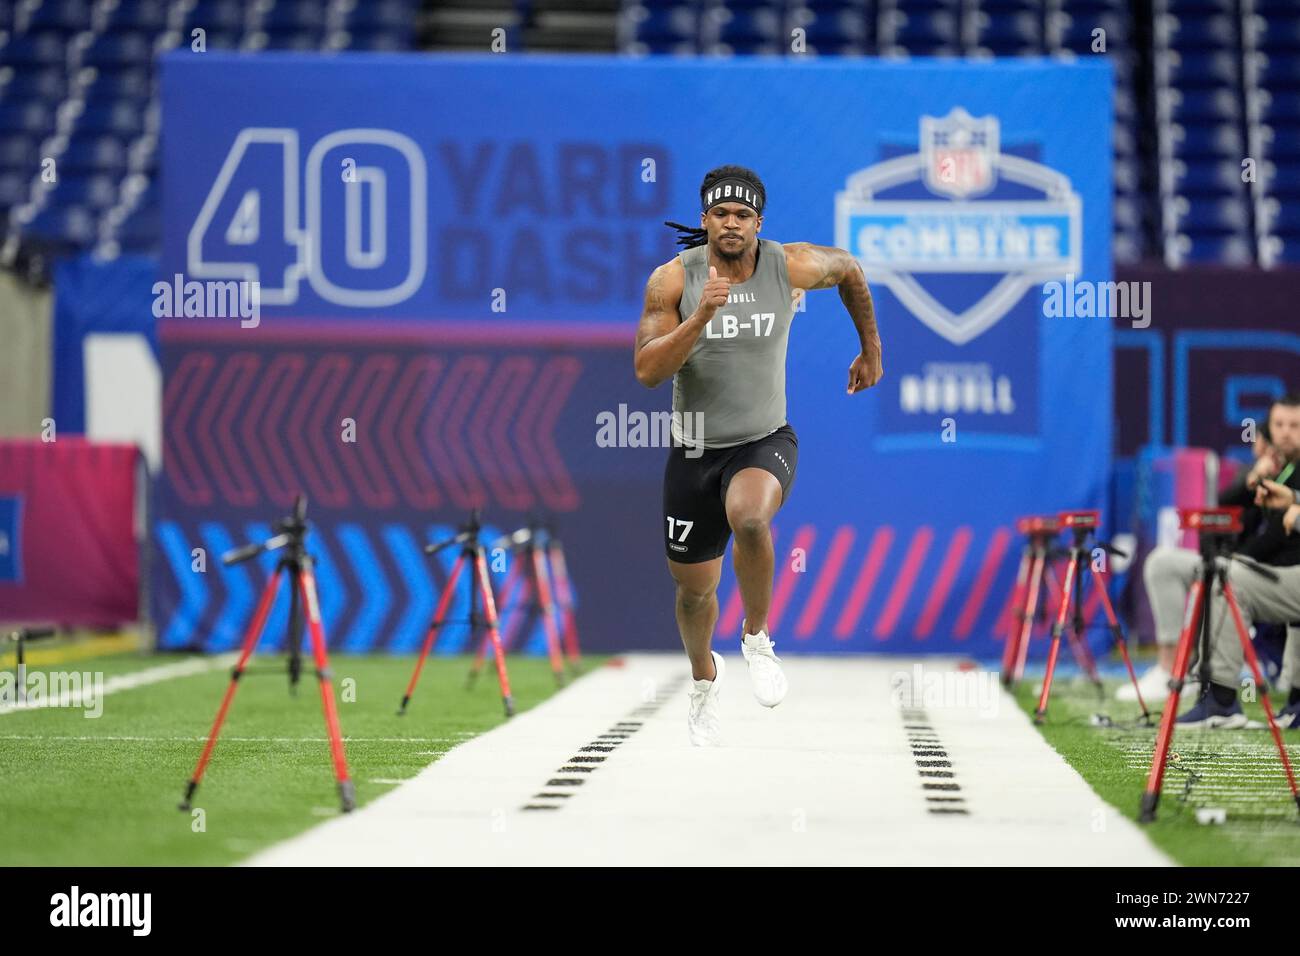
x,y
451,252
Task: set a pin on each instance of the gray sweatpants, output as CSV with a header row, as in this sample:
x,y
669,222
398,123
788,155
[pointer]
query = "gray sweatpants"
x,y
1168,574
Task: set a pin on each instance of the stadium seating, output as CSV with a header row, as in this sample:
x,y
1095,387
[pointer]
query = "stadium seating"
x,y
1207,99
78,101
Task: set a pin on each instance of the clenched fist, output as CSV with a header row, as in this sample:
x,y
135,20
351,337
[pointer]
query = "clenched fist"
x,y
865,371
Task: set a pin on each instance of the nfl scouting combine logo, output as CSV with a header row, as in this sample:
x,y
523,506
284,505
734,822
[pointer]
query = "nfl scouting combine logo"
x,y
901,242
959,231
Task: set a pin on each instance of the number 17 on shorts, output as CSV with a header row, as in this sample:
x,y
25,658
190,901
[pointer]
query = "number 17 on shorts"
x,y
678,529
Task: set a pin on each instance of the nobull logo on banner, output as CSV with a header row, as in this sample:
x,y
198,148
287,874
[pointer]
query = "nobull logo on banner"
x,y
905,237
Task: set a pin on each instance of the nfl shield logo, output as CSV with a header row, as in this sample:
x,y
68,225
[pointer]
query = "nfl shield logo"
x,y
958,153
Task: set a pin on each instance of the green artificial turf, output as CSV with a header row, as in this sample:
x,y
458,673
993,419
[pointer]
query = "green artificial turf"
x,y
105,791
1236,771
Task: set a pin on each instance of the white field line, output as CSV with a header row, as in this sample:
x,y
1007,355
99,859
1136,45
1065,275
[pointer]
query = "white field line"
x,y
121,682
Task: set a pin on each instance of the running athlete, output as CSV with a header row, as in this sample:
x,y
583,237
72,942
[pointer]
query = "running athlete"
x,y
717,321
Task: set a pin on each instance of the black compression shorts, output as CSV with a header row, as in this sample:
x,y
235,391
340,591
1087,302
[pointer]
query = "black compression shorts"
x,y
694,523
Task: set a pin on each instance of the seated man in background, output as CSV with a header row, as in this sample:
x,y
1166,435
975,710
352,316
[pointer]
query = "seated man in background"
x,y
1169,572
1270,494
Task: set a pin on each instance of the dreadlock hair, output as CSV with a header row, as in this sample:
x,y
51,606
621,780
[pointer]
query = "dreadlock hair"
x,y
689,236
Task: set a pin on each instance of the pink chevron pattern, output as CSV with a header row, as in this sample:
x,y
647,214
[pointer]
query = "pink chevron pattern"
x,y
923,587
979,591
468,430
184,466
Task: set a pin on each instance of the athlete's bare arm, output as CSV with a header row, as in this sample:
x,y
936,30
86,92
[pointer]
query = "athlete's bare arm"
x,y
663,341
821,267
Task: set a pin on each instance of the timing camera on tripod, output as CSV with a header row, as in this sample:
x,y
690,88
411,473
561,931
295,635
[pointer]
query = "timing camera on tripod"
x,y
1216,529
296,564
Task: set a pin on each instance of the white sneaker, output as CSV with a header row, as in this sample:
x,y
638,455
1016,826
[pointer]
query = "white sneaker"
x,y
765,674
702,713
1155,686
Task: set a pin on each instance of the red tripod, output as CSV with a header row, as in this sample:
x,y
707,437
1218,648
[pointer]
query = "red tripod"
x,y
564,597
1035,576
1024,598
531,547
1083,524
473,553
291,533
1216,528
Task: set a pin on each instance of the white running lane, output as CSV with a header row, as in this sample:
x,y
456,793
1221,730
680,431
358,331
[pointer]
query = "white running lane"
x,y
829,777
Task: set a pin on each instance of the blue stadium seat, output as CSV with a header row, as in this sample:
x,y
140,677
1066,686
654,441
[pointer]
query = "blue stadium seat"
x,y
14,188
1197,69
1127,215
1127,246
1282,218
1278,35
295,15
93,192
33,117
18,152
828,29
1007,32
857,8
922,7
1281,179
130,83
379,40
1206,139
66,15
1226,250
144,16
1213,217
117,49
1124,139
224,16
123,118
73,225
1208,179
1205,32
35,49
89,152
302,41
676,24
1276,8
1218,105
1184,7
385,14
830,49
1280,107
1078,32
753,6
1281,142
744,29
920,33
1280,71
1011,6
142,230
36,83
1126,175
1093,7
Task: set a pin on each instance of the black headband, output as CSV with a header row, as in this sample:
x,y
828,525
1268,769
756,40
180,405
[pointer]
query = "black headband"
x,y
733,189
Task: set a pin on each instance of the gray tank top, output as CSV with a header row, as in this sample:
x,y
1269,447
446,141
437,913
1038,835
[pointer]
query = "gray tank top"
x,y
731,389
